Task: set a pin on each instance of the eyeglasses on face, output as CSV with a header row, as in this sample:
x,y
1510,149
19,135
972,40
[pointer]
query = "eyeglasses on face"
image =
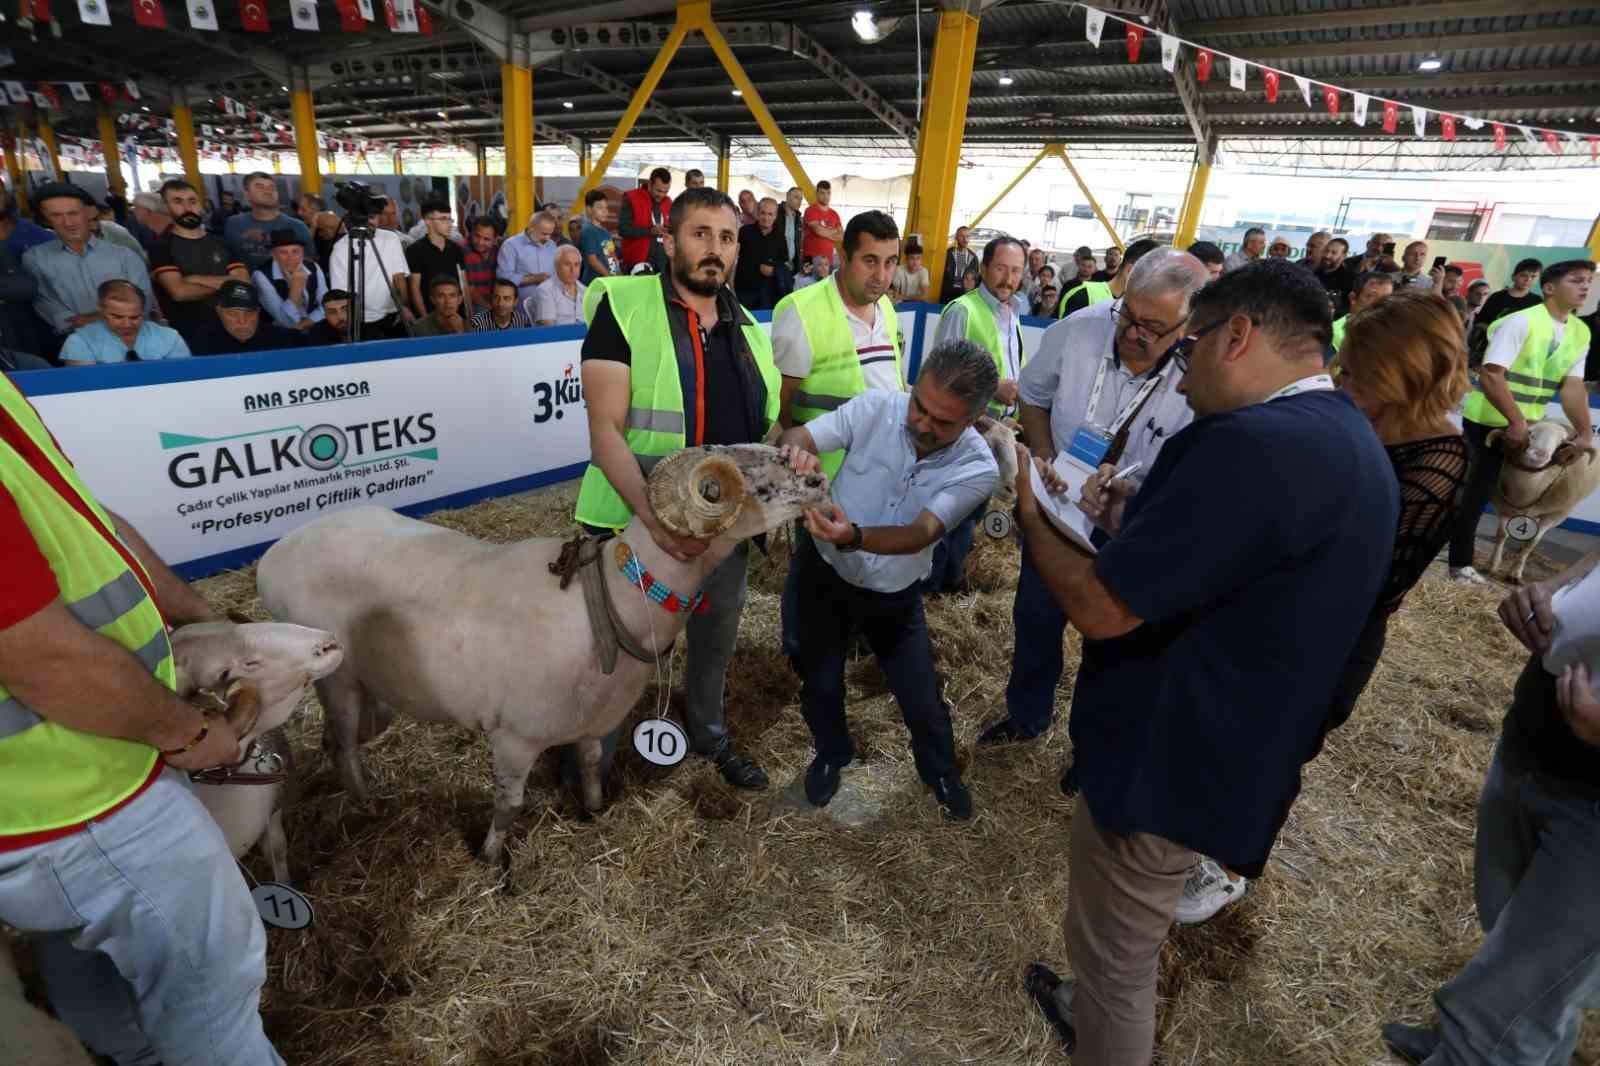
x,y
1147,331
1182,350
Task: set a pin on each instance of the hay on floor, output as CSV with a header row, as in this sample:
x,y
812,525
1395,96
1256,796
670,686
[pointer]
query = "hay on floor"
x,y
691,924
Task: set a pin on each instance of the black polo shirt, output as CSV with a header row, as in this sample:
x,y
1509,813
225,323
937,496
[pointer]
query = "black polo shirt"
x,y
428,262
206,256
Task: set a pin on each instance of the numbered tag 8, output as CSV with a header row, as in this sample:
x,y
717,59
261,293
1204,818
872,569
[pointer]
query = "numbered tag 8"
x,y
997,524
660,741
281,906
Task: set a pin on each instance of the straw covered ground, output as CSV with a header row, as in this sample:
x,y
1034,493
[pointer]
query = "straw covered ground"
x,y
690,924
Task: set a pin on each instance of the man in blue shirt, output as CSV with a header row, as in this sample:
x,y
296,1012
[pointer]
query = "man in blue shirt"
x,y
291,288
1216,622
249,235
595,241
122,334
914,467
71,267
19,234
529,258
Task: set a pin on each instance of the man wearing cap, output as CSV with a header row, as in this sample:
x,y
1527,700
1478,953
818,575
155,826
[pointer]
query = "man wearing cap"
x,y
239,327
122,334
290,288
71,268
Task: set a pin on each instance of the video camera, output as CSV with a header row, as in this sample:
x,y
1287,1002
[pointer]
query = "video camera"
x,y
359,200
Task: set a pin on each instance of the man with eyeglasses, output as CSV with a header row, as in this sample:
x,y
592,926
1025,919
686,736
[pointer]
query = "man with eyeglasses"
x,y
1084,294
1216,620
1096,373
436,256
122,333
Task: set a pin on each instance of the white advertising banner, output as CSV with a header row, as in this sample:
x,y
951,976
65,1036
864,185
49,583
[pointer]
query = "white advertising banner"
x,y
211,468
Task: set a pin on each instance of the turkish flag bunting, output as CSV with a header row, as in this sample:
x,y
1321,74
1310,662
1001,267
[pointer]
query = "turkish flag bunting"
x,y
1551,140
390,14
1270,79
425,21
1499,137
1447,124
108,92
51,94
1135,40
253,13
350,19
1202,64
1594,149
1391,116
150,13
38,10
1330,100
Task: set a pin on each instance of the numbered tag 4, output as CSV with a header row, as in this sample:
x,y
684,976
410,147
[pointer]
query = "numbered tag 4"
x,y
281,906
1522,527
660,741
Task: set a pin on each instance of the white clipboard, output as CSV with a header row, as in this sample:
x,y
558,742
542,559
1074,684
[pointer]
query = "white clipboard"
x,y
1061,509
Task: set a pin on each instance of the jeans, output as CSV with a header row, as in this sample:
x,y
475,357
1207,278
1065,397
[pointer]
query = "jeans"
x,y
1483,471
149,943
711,638
1039,653
827,609
789,601
1520,1000
950,557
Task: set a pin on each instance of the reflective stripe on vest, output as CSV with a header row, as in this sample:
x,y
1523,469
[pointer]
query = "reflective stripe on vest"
x,y
836,376
1536,374
656,424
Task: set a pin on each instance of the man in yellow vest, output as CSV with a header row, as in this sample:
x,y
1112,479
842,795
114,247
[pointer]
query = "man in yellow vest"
x,y
1094,292
1533,355
670,361
987,317
146,935
833,341
1368,290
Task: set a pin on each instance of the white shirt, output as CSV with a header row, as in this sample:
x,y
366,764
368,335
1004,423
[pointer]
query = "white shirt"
x,y
550,303
791,349
387,244
1511,333
1576,637
883,483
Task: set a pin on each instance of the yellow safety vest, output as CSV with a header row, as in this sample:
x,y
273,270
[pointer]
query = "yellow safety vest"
x,y
655,423
52,776
835,378
1099,292
983,329
1539,369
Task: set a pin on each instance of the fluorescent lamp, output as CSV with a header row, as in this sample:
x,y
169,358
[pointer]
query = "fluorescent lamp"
x,y
866,29
1006,79
1430,64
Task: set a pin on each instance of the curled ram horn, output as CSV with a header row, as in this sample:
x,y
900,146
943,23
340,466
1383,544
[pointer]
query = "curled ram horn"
x,y
696,493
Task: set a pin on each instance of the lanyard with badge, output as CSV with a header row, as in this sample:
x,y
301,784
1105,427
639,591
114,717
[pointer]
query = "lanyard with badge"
x,y
1094,446
1314,383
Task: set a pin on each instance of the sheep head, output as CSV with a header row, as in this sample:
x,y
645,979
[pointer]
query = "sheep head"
x,y
733,490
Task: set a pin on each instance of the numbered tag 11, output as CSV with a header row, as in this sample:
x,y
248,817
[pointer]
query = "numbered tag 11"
x,y
660,741
281,906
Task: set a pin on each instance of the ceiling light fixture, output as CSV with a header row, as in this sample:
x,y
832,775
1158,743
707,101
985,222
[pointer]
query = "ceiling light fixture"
x,y
567,104
864,25
738,92
1006,79
443,115
1430,64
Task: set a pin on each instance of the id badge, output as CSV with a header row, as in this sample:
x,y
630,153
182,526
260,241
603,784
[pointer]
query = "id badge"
x,y
1089,446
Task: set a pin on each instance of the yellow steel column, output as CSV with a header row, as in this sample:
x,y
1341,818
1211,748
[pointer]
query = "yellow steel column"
x,y
305,131
1061,154
939,147
641,96
508,133
1183,205
108,145
725,165
1191,214
583,159
47,134
19,182
483,161
697,13
1594,240
516,93
188,151
1024,172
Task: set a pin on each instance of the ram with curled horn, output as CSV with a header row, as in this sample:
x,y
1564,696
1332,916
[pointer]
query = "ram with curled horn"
x,y
442,627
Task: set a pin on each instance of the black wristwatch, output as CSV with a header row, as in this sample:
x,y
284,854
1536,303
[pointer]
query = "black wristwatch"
x,y
854,543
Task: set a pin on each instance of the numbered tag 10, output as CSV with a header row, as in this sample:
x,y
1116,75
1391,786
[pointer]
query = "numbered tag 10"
x,y
281,906
660,741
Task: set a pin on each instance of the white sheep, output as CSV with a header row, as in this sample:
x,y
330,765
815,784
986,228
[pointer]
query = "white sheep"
x,y
1544,481
27,1034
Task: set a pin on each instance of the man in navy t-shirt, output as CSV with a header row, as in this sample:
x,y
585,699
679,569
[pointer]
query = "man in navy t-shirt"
x,y
1216,622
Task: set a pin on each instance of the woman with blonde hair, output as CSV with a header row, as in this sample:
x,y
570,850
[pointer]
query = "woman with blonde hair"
x,y
1404,363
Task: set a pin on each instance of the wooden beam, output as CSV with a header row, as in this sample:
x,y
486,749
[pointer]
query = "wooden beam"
x,y
1399,15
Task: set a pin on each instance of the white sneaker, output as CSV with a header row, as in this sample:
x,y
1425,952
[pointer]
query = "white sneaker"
x,y
1466,575
1207,891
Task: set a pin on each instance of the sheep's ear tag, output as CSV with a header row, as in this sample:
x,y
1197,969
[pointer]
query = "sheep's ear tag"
x,y
997,524
660,741
281,906
1523,527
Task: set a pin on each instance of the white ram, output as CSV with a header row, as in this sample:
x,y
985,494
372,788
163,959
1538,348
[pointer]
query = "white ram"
x,y
1545,482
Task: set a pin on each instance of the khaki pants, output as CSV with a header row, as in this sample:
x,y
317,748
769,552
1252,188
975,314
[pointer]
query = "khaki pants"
x,y
1121,899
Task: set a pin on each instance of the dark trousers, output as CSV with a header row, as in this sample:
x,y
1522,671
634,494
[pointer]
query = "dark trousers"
x,y
758,297
1483,471
1039,653
950,556
827,610
1358,670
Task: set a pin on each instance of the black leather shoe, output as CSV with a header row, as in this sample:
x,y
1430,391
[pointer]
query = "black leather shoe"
x,y
1413,1043
1005,731
954,798
1042,983
737,770
822,780
1070,782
